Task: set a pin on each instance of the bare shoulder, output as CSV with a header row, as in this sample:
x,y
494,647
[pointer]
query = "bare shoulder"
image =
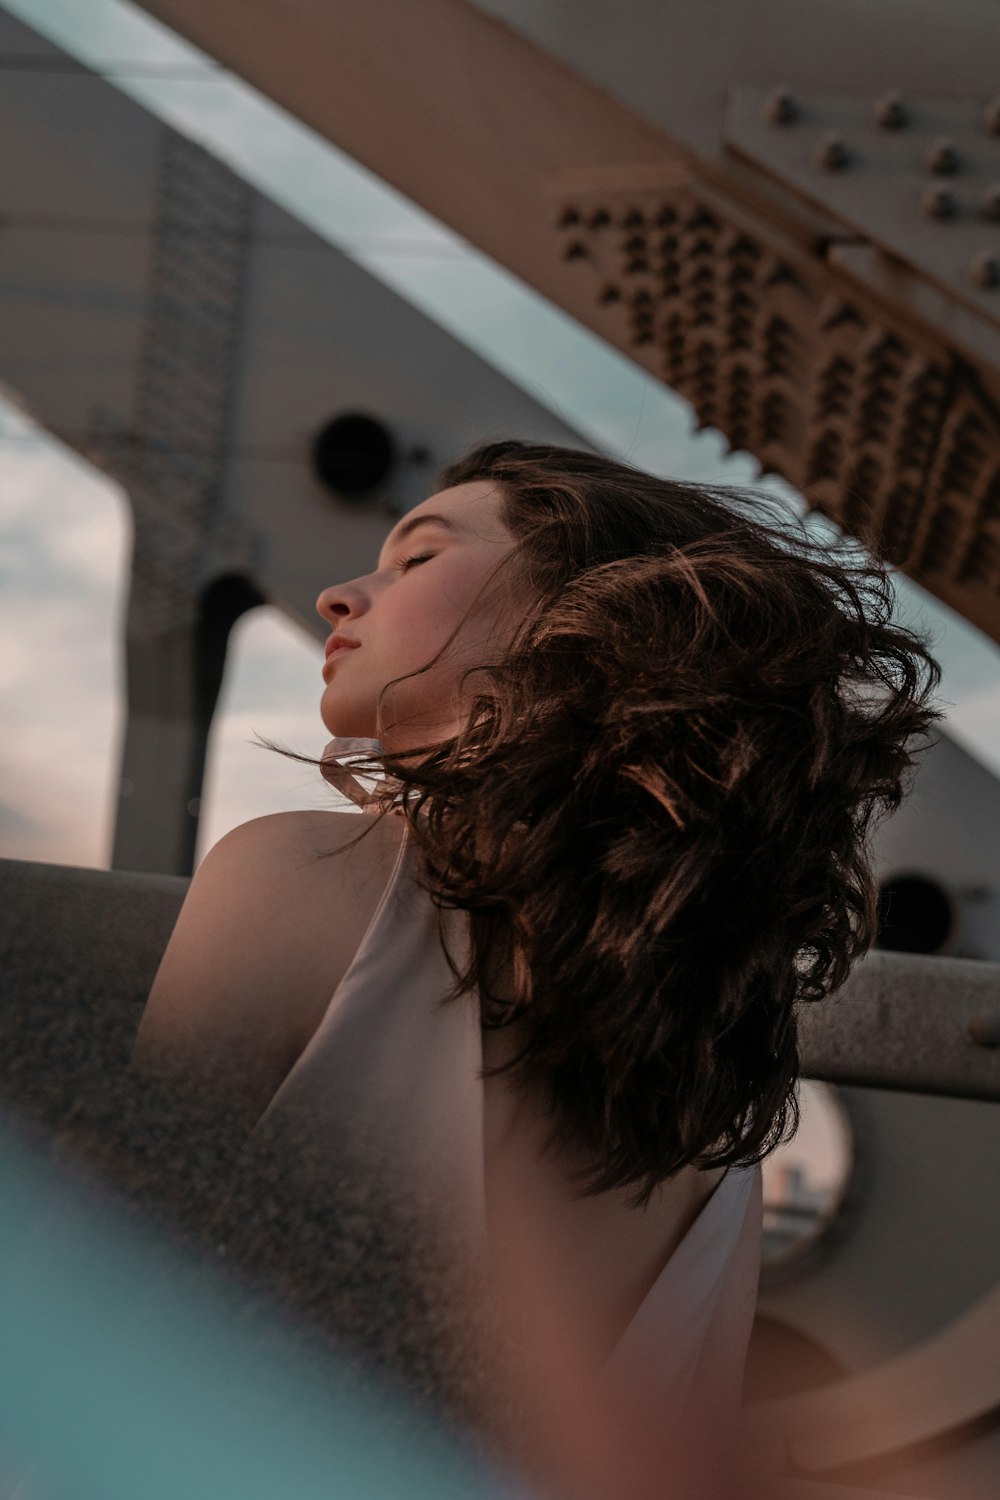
x,y
307,841
271,920
313,877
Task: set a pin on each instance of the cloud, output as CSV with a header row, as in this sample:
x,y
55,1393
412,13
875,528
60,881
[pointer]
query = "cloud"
x,y
63,542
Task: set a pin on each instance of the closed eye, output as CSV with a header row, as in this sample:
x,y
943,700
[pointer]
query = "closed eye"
x,y
405,563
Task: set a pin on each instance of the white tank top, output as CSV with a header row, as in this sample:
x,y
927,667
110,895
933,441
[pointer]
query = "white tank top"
x,y
383,1115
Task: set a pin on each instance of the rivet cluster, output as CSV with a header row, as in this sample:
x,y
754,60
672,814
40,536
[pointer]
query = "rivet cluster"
x,y
873,429
833,152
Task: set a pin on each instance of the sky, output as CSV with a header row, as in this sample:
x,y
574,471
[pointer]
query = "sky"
x,y
65,528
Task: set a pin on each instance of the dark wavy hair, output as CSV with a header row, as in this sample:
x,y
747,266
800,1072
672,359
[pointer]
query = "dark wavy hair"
x,y
663,797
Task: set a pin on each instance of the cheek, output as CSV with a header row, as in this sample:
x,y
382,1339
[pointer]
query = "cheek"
x,y
421,619
434,609
415,630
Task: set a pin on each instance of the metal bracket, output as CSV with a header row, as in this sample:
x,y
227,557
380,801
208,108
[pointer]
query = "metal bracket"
x,y
919,178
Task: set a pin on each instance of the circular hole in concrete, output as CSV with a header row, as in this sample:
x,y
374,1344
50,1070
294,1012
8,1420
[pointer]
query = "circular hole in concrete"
x,y
353,454
915,914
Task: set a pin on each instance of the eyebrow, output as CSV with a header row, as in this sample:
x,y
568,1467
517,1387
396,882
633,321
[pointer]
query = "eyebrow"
x,y
428,518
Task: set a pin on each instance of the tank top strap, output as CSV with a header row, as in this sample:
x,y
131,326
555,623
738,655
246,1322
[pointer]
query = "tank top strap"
x,y
344,751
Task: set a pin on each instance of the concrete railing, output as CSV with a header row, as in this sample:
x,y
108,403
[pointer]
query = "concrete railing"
x,y
79,949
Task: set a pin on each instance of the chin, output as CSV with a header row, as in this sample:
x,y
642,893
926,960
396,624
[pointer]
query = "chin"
x,y
340,719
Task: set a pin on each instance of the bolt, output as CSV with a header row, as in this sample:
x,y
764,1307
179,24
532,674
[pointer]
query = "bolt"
x,y
891,112
991,115
985,1030
984,269
942,157
979,891
989,203
780,108
938,203
832,153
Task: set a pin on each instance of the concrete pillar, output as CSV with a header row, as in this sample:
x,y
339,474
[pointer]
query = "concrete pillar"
x,y
173,677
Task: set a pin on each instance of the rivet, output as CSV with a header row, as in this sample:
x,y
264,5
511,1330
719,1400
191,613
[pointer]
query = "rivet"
x,y
599,218
991,115
609,293
569,217
985,1030
576,251
942,157
832,153
938,203
891,112
780,108
984,269
989,203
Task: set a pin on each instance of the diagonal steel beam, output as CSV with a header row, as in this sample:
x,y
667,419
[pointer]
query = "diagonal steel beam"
x,y
714,247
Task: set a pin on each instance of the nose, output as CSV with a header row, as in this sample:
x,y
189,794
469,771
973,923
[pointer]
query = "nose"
x,y
341,601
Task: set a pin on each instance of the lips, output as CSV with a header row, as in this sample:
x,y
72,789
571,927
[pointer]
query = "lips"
x,y
339,643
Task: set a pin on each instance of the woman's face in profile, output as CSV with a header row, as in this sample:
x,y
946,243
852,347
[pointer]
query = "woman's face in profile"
x,y
395,619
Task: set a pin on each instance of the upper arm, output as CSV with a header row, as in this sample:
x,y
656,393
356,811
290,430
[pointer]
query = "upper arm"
x,y
263,937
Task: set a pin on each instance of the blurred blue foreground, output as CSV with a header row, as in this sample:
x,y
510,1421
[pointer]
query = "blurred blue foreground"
x,y
130,1370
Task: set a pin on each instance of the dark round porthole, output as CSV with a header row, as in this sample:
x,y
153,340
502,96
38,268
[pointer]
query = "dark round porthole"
x,y
915,915
353,454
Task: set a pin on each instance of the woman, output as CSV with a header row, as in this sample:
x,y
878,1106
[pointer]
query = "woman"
x,y
635,735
